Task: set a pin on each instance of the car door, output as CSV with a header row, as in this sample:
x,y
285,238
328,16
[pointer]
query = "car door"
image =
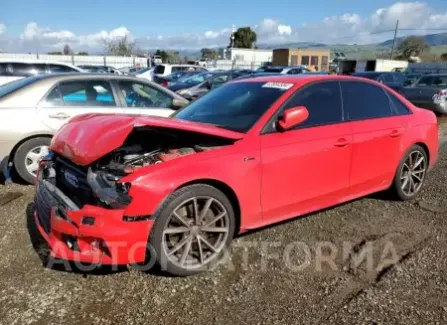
x,y
70,98
143,98
307,168
377,134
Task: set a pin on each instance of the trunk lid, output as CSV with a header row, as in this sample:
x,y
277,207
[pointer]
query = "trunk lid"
x,y
86,138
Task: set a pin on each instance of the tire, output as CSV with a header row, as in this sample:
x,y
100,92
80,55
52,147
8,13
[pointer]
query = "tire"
x,y
21,160
158,244
397,189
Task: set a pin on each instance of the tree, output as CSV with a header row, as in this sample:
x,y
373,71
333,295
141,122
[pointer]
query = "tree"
x,y
209,54
83,53
121,46
412,46
67,50
443,57
244,38
163,54
54,53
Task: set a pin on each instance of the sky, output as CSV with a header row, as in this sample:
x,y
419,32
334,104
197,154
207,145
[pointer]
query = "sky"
x,y
47,25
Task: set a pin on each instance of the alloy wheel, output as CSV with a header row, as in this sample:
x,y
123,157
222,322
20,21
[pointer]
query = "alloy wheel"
x,y
413,173
196,232
33,157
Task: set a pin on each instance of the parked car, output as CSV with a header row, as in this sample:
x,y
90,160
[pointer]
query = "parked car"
x,y
411,78
174,77
11,70
99,69
33,109
146,73
199,84
287,70
248,154
394,80
130,70
163,70
257,74
430,92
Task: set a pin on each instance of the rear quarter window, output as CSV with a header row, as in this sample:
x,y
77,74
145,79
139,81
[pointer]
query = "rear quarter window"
x,y
159,69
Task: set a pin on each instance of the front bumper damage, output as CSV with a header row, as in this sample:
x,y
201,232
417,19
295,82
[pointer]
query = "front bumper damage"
x,y
88,234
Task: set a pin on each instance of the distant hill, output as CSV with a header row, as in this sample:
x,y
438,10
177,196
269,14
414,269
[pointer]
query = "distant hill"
x,y
437,42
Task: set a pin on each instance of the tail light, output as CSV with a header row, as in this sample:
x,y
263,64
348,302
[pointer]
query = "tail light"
x,y
165,83
440,95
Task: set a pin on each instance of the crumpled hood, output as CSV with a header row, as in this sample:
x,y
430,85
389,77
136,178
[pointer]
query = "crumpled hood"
x,y
88,137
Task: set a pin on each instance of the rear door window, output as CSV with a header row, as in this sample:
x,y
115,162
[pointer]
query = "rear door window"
x,y
159,69
364,101
96,93
425,81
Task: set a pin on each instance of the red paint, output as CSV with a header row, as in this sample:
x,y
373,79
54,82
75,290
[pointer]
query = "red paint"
x,y
274,176
292,117
88,137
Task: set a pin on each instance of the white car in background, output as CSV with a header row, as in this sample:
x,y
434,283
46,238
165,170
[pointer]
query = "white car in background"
x,y
33,109
11,70
146,73
163,70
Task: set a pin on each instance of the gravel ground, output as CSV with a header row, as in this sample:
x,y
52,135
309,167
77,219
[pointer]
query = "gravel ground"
x,y
371,261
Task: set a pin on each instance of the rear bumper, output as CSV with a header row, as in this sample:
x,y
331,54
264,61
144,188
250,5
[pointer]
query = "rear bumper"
x,y
90,234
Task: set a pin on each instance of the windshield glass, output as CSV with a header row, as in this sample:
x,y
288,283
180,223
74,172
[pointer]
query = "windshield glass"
x,y
12,86
235,106
196,78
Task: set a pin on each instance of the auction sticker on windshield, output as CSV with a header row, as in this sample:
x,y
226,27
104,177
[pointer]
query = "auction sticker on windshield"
x,y
278,85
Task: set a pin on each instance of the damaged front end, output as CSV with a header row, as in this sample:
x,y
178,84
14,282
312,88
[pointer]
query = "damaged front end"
x,y
84,209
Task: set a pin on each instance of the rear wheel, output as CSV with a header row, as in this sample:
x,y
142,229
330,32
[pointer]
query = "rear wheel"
x,y
28,155
410,175
192,230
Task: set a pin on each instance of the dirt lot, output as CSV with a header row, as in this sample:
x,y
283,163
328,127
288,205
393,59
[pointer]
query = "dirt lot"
x,y
275,276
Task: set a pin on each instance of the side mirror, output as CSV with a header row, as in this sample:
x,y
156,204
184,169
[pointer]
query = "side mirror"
x,y
179,103
293,117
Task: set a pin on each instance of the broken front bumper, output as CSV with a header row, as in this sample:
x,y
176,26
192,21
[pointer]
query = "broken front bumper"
x,y
90,234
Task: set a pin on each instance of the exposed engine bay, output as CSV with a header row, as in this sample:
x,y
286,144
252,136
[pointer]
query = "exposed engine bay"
x,y
150,146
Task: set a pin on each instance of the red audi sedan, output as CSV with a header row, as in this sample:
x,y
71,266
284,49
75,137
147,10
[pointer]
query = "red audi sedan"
x,y
248,154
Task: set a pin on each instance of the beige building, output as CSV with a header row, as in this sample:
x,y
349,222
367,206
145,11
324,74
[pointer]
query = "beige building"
x,y
308,57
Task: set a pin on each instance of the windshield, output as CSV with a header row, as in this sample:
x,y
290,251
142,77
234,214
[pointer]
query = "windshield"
x,y
235,106
196,78
12,86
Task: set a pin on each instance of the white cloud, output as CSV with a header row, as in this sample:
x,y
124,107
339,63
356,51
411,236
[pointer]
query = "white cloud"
x,y
333,29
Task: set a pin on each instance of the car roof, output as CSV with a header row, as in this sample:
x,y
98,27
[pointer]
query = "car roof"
x,y
300,79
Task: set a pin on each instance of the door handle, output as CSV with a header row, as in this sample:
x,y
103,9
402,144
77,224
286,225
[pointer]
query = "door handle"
x,y
59,116
341,142
396,132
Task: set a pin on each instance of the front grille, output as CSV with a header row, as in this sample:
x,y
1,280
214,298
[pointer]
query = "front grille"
x,y
44,202
71,179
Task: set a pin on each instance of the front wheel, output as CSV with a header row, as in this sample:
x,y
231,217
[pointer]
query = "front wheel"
x,y
410,175
193,228
28,155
